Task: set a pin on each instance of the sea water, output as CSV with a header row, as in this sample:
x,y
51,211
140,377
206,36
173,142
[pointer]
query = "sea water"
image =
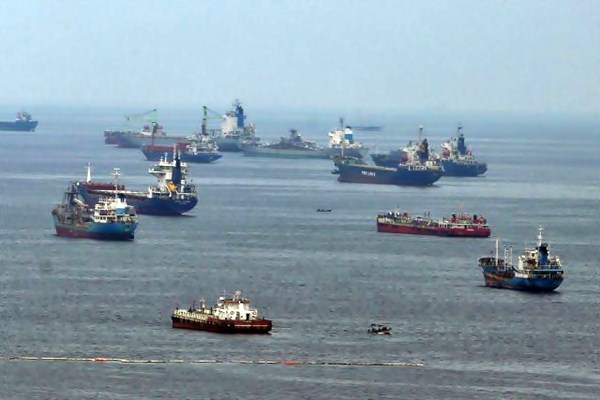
x,y
322,278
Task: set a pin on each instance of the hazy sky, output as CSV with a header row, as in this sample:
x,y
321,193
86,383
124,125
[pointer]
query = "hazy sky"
x,y
455,55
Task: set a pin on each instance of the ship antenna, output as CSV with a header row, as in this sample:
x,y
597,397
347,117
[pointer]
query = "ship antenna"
x,y
341,123
116,173
420,133
88,170
540,237
496,252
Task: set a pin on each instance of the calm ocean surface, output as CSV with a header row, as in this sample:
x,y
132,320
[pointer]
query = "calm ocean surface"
x,y
321,278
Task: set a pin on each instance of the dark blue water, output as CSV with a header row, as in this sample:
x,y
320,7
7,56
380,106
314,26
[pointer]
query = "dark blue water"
x,y
321,277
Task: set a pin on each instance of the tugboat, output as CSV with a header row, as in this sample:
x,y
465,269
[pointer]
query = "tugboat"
x,y
23,123
342,143
457,159
110,218
379,329
458,225
536,269
172,195
293,146
232,314
234,133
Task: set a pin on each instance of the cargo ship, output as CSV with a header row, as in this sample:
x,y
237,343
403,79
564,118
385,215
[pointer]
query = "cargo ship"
x,y
412,151
418,170
110,218
536,270
172,195
22,123
458,160
293,146
234,132
231,314
201,149
149,134
458,225
342,143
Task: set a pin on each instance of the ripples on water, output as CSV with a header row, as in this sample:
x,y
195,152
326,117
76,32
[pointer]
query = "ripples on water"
x,y
322,278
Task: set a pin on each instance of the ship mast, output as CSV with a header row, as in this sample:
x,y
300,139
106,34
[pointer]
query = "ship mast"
x,y
116,173
88,170
540,237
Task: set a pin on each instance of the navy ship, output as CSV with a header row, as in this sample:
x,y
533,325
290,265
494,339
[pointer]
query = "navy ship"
x,y
172,195
457,159
293,146
23,123
536,270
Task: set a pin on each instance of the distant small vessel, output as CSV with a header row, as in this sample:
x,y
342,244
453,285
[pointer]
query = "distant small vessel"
x,y
379,329
110,218
22,123
232,314
324,210
536,269
458,225
293,146
172,195
457,159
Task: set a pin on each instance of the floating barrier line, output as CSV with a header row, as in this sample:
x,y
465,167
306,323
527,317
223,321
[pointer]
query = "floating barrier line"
x,y
241,362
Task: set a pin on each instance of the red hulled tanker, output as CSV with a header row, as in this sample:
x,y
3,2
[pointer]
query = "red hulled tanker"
x,y
458,225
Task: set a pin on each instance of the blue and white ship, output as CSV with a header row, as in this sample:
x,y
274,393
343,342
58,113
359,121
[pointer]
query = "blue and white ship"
x,y
234,133
536,270
457,159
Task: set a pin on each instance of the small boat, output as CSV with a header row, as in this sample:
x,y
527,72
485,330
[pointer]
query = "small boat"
x,y
22,123
458,225
379,329
231,314
324,210
536,270
110,218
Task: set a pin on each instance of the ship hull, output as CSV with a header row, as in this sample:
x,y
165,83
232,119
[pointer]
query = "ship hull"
x,y
331,152
453,168
256,151
142,203
199,158
129,141
259,326
357,173
93,230
481,232
18,126
228,144
506,279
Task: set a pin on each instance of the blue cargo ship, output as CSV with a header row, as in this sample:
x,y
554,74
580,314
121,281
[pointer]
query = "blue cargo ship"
x,y
172,195
536,270
458,160
110,218
23,123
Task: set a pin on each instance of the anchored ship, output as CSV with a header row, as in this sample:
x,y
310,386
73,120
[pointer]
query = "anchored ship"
x,y
536,270
22,123
172,195
234,134
201,149
418,170
342,143
411,151
110,218
233,314
293,146
459,224
457,159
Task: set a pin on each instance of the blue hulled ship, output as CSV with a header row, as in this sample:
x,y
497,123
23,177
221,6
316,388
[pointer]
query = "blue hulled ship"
x,y
536,269
457,159
172,195
110,218
23,123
